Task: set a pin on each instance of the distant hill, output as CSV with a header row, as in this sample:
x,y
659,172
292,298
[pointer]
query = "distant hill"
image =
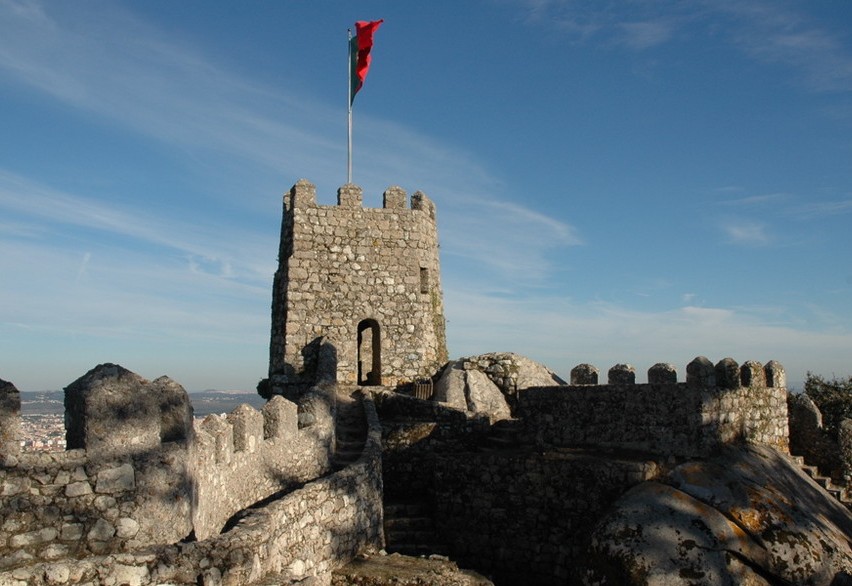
x,y
203,402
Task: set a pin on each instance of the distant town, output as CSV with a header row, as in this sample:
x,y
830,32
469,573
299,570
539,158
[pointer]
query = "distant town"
x,y
43,414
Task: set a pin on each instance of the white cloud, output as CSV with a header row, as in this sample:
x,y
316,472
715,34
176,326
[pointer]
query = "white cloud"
x,y
746,233
562,333
821,209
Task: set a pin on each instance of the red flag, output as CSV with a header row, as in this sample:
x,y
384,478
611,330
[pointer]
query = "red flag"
x,y
359,54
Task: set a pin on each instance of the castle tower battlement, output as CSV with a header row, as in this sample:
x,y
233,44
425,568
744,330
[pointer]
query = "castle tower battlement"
x,y
365,279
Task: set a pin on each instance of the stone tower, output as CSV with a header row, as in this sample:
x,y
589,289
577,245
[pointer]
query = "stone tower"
x,y
367,282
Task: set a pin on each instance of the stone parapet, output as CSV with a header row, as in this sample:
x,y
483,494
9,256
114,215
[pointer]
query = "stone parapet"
x,y
121,493
717,405
306,533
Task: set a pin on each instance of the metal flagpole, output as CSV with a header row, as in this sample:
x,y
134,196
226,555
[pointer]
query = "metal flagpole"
x,y
349,150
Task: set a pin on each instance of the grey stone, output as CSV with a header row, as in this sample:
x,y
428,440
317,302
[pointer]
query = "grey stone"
x,y
738,502
126,528
113,480
76,489
450,387
483,396
101,531
584,374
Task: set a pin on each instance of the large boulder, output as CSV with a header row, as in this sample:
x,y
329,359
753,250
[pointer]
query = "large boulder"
x,y
489,383
749,516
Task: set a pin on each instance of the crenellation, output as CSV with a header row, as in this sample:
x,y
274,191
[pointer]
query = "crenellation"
x,y
727,374
687,419
280,419
701,373
394,197
221,432
303,194
775,375
662,373
348,196
247,423
584,374
622,374
752,374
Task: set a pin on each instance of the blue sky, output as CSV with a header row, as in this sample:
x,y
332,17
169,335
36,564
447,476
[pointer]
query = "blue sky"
x,y
635,182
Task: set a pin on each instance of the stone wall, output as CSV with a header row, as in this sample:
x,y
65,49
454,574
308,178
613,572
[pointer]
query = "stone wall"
x,y
523,517
104,498
67,504
715,406
308,532
414,432
367,279
248,455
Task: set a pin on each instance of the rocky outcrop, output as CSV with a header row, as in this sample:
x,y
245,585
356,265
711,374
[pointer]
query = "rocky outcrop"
x,y
489,383
749,516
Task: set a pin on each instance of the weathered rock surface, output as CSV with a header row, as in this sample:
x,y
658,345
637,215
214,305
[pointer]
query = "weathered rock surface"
x,y
489,383
400,570
749,516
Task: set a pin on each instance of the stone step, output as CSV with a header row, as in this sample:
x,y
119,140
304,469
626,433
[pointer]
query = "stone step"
x,y
410,529
351,444
419,549
402,524
398,509
841,493
350,430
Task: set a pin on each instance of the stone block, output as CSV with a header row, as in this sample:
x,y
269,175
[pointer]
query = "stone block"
x,y
113,480
303,194
280,418
752,374
110,411
80,488
102,530
775,375
175,409
622,374
395,197
701,373
727,374
247,423
222,434
584,374
662,374
349,196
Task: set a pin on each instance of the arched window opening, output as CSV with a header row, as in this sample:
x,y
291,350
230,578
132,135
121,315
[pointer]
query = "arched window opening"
x,y
369,353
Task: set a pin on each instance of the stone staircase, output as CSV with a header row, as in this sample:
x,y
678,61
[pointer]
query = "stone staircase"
x,y
350,428
841,493
503,435
410,529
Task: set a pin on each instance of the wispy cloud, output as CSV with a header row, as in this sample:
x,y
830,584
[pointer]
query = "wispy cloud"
x,y
757,200
165,89
39,205
822,209
562,333
645,34
766,31
774,33
746,233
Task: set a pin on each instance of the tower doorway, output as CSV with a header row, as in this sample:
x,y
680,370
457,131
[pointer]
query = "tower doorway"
x,y
369,353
